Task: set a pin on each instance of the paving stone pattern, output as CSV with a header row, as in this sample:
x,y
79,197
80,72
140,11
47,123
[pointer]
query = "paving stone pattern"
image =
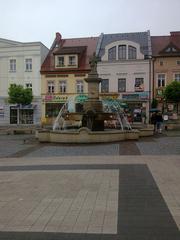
x,y
23,145
94,201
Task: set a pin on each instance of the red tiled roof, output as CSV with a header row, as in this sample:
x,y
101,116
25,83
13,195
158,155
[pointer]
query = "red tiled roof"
x,y
159,43
85,47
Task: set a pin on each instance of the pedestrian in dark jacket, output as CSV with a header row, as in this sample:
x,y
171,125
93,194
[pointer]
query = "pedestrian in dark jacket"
x,y
159,121
153,120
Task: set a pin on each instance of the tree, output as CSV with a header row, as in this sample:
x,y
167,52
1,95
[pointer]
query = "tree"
x,y
20,95
172,92
154,103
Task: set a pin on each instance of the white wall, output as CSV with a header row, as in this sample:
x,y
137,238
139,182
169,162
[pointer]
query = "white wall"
x,y
36,51
20,51
127,69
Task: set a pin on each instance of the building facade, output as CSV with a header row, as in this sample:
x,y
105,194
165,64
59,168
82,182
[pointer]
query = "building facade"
x,y
63,73
166,66
20,63
125,69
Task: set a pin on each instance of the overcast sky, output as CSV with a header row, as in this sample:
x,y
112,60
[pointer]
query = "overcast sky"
x,y
39,20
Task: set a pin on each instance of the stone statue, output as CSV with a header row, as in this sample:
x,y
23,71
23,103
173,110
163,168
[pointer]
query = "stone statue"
x,y
93,63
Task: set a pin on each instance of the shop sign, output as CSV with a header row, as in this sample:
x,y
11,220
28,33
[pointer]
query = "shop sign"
x,y
136,96
81,98
109,96
55,98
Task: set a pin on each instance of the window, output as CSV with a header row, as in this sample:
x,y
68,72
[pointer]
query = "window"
x,y
112,53
177,77
173,49
29,85
52,109
161,80
132,52
139,84
50,87
79,86
12,66
122,52
105,85
28,64
62,86
72,60
178,62
161,63
121,85
168,49
60,61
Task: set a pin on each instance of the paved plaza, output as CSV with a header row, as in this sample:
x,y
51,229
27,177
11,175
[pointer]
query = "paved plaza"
x,y
126,190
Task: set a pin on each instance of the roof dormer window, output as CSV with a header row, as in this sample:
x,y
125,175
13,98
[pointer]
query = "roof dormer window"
x,y
132,53
60,61
72,60
112,53
122,52
66,61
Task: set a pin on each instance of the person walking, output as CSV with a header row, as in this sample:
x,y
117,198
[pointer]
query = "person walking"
x,y
159,121
153,120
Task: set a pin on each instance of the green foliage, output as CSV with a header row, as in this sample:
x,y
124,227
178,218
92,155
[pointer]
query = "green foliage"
x,y
172,92
20,95
154,103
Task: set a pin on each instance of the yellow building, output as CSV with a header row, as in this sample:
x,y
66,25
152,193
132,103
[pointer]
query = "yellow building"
x,y
63,73
166,64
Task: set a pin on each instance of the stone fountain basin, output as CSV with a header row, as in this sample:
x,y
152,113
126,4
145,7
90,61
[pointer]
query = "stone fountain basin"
x,y
84,135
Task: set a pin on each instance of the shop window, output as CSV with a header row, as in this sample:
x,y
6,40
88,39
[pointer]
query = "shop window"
x,y
121,85
21,116
105,85
25,116
79,107
13,116
112,53
52,109
161,80
139,84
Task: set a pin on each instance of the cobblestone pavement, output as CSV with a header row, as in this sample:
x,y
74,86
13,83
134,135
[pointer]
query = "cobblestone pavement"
x,y
26,145
126,190
97,197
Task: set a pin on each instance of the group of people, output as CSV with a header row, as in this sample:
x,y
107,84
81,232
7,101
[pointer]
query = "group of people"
x,y
157,121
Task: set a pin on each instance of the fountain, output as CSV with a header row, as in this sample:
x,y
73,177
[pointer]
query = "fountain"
x,y
90,126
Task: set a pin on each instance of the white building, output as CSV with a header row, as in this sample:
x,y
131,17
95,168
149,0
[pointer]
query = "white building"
x,y
20,63
125,70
